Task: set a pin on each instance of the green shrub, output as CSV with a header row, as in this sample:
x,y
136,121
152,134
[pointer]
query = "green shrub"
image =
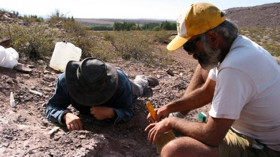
x,y
56,18
162,36
37,40
132,45
157,28
86,43
27,20
73,32
32,42
151,26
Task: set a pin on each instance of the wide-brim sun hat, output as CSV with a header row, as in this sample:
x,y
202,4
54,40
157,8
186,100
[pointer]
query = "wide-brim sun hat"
x,y
91,82
200,18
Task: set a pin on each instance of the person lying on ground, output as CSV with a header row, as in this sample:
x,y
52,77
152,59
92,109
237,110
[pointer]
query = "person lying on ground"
x,y
243,85
97,88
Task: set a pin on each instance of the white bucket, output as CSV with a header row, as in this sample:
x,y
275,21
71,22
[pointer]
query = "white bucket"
x,y
62,54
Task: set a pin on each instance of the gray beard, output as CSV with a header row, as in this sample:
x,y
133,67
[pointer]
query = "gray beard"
x,y
210,58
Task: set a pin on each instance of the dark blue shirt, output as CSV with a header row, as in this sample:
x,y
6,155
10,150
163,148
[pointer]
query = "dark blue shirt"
x,y
121,102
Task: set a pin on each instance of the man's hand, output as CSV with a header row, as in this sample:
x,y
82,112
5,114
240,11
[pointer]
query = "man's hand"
x,y
72,122
158,128
101,112
160,114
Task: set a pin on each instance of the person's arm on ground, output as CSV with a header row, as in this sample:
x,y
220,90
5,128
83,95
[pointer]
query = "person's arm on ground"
x,y
119,115
72,122
122,107
56,110
102,112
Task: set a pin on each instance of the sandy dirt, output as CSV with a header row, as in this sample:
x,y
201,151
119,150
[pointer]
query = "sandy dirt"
x,y
24,128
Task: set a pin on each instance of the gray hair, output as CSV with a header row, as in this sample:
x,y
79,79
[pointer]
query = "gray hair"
x,y
228,30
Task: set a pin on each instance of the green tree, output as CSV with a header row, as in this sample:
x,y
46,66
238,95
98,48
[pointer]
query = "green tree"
x,y
124,26
117,26
168,25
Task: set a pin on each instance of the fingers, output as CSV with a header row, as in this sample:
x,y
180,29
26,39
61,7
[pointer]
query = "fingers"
x,y
73,122
150,118
75,125
92,110
160,115
78,125
148,128
158,118
152,135
70,127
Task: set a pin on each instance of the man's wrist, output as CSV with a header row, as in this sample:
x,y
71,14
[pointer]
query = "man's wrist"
x,y
170,108
170,122
63,117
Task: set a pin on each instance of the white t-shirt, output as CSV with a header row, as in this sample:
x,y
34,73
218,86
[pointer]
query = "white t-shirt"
x,y
248,91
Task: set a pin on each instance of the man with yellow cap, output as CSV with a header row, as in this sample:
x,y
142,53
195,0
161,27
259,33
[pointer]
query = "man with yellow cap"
x,y
243,85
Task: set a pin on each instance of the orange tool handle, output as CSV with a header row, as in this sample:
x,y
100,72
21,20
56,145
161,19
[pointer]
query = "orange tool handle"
x,y
151,109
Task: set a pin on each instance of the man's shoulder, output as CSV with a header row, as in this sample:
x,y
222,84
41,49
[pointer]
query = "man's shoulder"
x,y
244,53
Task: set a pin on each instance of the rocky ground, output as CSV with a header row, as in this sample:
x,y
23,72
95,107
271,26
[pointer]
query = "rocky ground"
x,y
24,129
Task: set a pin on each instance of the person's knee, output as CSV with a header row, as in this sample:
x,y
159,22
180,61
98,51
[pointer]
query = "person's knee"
x,y
186,145
175,147
170,149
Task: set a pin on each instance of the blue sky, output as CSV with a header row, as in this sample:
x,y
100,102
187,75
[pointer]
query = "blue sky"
x,y
152,9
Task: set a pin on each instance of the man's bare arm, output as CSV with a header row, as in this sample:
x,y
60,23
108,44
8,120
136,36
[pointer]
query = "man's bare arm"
x,y
210,133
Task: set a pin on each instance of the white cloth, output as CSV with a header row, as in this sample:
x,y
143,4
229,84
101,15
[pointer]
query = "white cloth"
x,y
8,57
248,91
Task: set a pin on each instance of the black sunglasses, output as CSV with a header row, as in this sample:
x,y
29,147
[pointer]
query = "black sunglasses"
x,y
190,45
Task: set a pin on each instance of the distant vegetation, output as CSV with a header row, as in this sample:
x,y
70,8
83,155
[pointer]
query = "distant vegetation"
x,y
128,26
35,38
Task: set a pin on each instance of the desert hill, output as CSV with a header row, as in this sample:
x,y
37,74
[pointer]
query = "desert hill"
x,y
110,22
267,15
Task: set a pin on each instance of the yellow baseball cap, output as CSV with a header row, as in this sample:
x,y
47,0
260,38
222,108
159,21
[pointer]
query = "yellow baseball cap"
x,y
200,18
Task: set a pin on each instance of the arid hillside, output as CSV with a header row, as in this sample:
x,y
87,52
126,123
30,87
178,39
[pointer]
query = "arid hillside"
x,y
267,15
110,22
